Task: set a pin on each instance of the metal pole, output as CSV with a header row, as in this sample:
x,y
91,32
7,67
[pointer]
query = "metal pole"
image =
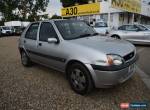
x,y
133,18
109,14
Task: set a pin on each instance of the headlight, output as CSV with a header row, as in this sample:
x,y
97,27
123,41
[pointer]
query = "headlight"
x,y
114,60
111,60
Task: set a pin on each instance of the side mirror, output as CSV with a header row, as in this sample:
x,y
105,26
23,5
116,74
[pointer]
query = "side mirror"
x,y
137,30
52,40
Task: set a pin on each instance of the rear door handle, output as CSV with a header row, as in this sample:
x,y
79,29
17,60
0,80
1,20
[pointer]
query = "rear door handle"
x,y
40,44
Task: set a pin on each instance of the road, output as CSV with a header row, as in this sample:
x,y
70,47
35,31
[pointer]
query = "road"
x,y
144,60
40,88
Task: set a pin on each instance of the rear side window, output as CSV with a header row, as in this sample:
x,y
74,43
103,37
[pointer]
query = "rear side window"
x,y
131,28
47,31
32,31
122,28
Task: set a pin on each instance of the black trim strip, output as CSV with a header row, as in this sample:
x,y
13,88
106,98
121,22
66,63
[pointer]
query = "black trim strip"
x,y
115,68
47,56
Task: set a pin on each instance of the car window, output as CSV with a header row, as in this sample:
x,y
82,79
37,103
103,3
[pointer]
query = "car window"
x,y
131,28
122,27
101,24
73,29
32,31
47,31
142,28
6,28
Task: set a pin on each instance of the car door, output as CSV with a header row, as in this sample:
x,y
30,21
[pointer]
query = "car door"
x,y
145,33
50,54
134,33
131,32
122,32
30,41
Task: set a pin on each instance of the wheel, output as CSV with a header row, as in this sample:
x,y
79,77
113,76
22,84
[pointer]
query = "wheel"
x,y
25,59
115,36
80,79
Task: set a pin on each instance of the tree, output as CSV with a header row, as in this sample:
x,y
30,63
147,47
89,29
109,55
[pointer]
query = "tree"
x,y
67,3
22,9
7,7
31,8
56,17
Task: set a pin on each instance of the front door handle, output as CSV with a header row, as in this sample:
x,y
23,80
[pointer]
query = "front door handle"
x,y
40,44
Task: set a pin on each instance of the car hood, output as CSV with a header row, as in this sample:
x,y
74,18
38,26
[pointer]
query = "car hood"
x,y
106,45
148,31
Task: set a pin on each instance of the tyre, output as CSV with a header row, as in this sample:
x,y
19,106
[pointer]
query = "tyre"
x,y
25,59
80,79
115,36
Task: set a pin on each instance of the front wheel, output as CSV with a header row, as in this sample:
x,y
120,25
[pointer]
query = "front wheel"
x,y
80,79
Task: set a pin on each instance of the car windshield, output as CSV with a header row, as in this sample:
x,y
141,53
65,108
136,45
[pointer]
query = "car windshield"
x,y
101,24
142,28
71,29
6,28
148,26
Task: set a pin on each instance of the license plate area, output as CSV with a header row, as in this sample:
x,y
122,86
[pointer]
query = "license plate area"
x,y
131,68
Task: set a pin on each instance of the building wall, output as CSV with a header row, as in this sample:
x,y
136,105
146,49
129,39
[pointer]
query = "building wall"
x,y
145,10
1,16
120,17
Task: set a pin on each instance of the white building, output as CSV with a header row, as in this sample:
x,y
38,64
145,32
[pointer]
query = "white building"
x,y
1,16
119,17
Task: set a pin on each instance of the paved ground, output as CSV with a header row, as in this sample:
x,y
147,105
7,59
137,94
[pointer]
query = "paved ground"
x,y
40,88
144,61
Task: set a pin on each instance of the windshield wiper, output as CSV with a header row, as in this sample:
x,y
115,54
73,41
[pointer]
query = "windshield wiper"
x,y
95,34
83,35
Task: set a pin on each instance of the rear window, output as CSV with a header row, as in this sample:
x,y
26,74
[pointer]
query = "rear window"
x,y
6,28
101,24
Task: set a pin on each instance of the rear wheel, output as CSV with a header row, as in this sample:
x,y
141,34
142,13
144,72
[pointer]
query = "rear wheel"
x,y
25,59
80,79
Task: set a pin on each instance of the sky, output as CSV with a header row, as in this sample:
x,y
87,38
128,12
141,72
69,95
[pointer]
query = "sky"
x,y
54,7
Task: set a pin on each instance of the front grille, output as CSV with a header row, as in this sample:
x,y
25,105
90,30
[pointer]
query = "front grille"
x,y
129,56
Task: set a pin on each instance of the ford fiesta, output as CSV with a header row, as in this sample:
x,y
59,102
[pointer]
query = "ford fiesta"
x,y
73,47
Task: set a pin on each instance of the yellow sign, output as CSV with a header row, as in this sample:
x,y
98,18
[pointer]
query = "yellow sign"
x,y
127,5
88,9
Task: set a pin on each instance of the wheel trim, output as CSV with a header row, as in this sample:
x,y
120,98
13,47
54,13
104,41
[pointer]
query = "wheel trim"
x,y
24,58
78,79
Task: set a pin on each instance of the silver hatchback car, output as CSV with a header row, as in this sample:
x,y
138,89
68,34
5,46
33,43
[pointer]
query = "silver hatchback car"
x,y
76,49
137,34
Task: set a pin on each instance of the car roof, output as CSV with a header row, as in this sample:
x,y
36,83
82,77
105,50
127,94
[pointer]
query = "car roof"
x,y
5,26
53,20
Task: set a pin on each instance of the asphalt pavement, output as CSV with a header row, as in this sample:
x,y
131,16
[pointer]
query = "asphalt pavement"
x,y
143,64
144,59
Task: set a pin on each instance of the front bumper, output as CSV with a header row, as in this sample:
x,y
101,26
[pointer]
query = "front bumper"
x,y
107,78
